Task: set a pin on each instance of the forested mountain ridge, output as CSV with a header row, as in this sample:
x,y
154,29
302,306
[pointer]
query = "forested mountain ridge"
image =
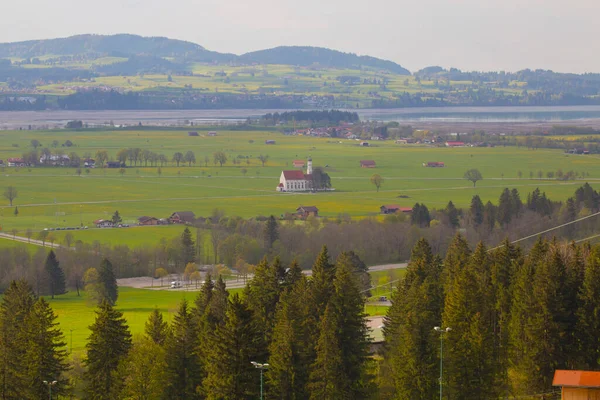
x,y
126,45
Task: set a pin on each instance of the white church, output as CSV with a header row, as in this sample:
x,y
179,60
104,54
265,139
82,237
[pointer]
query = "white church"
x,y
296,181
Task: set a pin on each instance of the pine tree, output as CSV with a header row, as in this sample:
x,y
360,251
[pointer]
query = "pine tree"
x,y
230,375
470,368
291,349
516,203
456,259
505,212
452,214
271,232
489,215
188,249
352,331
144,371
183,367
322,281
293,275
56,276
107,346
45,356
327,379
476,210
361,271
17,302
116,218
107,283
156,329
589,314
411,352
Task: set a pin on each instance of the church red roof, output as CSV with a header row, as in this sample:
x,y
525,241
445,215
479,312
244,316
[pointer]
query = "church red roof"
x,y
293,175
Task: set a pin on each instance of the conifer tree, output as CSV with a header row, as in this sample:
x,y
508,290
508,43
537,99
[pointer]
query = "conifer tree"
x,y
456,259
230,375
145,371
183,365
476,210
489,216
55,274
327,379
411,352
271,232
188,249
322,281
293,275
45,357
361,272
352,331
470,367
107,346
516,203
505,212
107,283
452,214
588,314
17,302
291,349
156,328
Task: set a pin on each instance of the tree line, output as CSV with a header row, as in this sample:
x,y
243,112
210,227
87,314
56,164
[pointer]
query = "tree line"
x,y
514,317
311,332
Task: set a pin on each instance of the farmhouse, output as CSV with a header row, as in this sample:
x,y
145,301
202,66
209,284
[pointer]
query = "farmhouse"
x,y
364,144
405,141
367,164
89,163
113,164
16,162
296,181
394,208
298,163
182,217
455,144
146,221
104,223
578,385
307,211
54,159
269,142
434,164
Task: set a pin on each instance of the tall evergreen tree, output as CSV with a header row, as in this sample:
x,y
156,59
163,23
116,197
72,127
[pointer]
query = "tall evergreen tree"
x,y
183,365
108,345
293,274
156,329
55,274
327,379
352,331
107,283
456,259
17,302
271,232
188,249
489,215
476,210
230,375
452,214
45,357
505,213
291,349
516,203
589,314
145,371
470,367
323,273
411,344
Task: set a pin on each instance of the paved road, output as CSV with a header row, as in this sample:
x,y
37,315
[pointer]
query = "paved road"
x,y
29,241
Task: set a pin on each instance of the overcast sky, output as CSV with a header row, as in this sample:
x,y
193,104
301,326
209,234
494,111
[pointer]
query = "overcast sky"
x,y
468,34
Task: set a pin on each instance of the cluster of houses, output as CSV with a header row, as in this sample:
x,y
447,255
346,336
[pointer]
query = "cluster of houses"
x,y
53,160
394,209
178,217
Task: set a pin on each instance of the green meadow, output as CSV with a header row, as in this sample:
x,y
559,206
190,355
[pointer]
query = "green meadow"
x,y
50,197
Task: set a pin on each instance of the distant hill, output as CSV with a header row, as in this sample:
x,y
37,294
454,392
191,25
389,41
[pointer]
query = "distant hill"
x,y
306,56
122,45
127,46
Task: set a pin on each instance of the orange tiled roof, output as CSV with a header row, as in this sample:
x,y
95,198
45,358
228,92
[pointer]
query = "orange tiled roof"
x,y
576,378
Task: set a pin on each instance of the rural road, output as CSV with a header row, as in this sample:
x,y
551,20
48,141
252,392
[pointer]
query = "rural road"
x,y
25,240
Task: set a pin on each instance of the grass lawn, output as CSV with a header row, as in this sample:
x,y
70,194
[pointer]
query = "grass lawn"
x,y
58,197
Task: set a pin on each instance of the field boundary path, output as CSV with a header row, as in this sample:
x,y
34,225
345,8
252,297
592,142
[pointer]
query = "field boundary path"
x,y
34,242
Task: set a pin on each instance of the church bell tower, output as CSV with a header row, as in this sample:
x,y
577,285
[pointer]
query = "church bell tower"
x,y
309,166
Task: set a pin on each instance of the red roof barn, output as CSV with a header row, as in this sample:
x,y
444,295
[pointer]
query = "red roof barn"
x,y
578,385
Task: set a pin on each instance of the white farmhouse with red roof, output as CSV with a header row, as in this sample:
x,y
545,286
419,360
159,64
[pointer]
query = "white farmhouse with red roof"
x,y
296,181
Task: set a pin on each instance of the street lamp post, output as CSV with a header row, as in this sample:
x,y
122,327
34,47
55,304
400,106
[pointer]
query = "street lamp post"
x,y
50,384
262,367
441,332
